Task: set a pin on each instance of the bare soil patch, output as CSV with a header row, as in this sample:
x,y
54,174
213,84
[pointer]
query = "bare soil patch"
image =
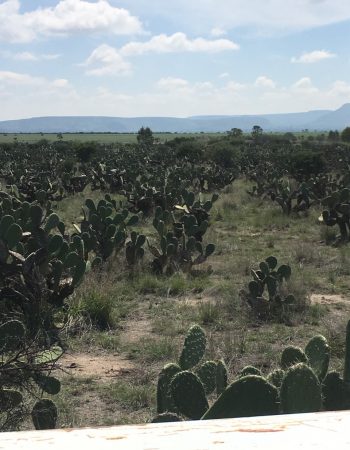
x,y
136,330
103,367
329,299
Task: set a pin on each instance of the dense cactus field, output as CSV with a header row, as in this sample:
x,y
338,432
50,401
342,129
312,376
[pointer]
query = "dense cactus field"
x,y
229,249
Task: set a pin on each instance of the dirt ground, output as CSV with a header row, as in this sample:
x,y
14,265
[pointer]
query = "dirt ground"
x,y
102,367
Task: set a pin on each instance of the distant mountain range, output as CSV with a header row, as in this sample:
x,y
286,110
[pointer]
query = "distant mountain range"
x,y
319,120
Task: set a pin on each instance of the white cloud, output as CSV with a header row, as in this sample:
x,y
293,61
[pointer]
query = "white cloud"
x,y
108,60
224,75
233,86
67,17
50,56
304,85
28,56
264,82
25,56
340,88
24,95
105,60
175,43
170,83
313,57
217,32
60,83
15,78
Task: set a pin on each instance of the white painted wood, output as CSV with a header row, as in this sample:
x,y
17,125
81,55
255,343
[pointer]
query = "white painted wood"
x,y
321,431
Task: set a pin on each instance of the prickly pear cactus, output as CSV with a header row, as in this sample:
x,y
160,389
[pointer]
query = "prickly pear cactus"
x,y
189,395
207,374
300,390
12,334
9,399
221,377
336,393
249,370
292,355
318,353
194,347
44,415
248,396
276,377
164,398
272,278
134,250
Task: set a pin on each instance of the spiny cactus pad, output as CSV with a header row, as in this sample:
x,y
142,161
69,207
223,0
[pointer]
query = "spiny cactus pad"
x,y
164,398
221,377
336,393
188,394
249,370
248,396
292,355
9,399
318,353
300,390
44,415
276,377
11,335
194,347
207,374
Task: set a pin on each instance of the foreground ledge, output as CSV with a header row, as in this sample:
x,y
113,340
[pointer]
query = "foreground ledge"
x,y
319,431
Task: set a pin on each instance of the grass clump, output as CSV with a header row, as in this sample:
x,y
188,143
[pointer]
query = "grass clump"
x,y
152,350
100,303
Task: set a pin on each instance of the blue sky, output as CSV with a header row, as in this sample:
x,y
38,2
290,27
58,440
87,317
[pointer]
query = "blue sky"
x,y
164,58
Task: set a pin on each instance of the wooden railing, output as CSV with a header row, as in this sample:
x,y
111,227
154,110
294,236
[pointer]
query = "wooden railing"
x,y
319,431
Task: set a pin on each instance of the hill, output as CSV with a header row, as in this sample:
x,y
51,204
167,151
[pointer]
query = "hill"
x,y
319,120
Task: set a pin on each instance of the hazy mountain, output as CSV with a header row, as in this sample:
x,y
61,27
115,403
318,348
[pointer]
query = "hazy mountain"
x,y
335,120
312,120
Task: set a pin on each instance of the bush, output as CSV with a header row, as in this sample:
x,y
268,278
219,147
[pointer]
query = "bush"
x,y
306,163
85,151
223,153
345,135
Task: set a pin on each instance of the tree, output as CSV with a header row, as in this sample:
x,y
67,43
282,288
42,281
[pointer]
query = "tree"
x,y
223,153
257,132
145,136
333,136
85,151
189,149
345,135
235,132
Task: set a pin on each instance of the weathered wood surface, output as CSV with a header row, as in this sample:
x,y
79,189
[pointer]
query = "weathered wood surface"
x,y
321,431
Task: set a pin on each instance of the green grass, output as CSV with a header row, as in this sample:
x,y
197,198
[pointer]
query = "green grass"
x,y
129,395
152,349
105,138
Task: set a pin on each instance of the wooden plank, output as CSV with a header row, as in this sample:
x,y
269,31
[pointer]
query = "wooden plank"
x,y
321,431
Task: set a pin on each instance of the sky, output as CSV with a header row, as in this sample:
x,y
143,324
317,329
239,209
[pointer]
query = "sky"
x,y
179,58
